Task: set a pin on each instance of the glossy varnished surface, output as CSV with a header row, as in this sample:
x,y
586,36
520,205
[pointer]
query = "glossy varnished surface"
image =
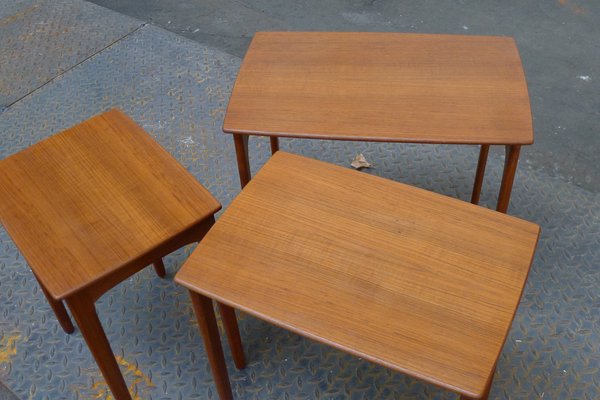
x,y
87,201
382,87
415,281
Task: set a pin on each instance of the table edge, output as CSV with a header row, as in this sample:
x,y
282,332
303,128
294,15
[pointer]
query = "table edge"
x,y
528,140
379,139
319,339
63,295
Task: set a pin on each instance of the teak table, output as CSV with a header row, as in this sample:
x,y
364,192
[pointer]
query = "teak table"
x,y
384,87
427,285
91,206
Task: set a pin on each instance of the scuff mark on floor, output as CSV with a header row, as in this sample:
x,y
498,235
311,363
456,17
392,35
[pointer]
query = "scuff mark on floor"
x,y
138,388
12,18
8,348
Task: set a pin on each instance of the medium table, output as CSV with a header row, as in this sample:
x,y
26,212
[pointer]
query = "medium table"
x,y
91,206
384,87
427,286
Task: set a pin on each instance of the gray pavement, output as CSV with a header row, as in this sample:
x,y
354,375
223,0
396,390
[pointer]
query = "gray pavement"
x,y
559,41
177,89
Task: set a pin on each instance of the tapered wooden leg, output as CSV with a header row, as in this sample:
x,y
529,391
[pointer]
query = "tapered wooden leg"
x,y
60,311
84,312
205,313
274,144
483,155
241,153
510,167
159,268
233,335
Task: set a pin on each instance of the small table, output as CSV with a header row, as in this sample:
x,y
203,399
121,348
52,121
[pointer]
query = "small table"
x,y
427,286
93,205
384,87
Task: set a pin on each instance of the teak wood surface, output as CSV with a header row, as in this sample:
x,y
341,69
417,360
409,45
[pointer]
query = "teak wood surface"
x,y
412,280
92,205
383,87
391,87
83,203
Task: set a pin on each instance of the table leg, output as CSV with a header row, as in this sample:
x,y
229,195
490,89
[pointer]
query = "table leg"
x,y
60,311
83,310
274,144
205,313
510,167
483,155
159,268
233,335
241,153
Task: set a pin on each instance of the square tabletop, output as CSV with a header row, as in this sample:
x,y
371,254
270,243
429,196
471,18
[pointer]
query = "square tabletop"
x,y
87,201
415,281
393,87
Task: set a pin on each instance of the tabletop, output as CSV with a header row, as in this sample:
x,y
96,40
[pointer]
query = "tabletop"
x,y
86,201
418,282
393,87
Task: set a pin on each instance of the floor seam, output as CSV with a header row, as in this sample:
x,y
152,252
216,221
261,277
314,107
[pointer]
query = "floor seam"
x,y
7,107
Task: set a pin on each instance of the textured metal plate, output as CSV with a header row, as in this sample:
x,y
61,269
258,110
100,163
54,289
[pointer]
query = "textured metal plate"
x,y
39,39
178,90
6,394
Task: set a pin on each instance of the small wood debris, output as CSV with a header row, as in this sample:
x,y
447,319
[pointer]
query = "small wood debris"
x,y
360,162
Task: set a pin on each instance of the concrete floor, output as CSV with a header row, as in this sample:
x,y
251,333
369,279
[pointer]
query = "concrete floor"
x,y
559,42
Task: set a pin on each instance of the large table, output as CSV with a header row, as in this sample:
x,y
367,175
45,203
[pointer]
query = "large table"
x,y
427,286
384,87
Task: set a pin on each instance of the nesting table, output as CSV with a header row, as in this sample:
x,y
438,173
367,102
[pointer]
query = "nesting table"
x,y
91,206
415,281
384,87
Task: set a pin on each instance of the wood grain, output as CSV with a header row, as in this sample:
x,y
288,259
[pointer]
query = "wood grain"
x,y
232,330
479,173
391,87
205,315
83,203
84,312
243,159
511,160
59,309
415,281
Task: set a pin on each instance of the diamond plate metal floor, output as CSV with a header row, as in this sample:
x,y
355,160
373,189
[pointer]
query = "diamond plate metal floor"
x,y
40,39
178,90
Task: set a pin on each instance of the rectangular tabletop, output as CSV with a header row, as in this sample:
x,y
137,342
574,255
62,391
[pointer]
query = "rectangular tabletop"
x,y
409,279
394,87
87,201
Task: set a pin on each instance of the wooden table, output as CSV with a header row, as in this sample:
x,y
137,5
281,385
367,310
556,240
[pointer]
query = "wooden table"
x,y
384,87
91,206
427,286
